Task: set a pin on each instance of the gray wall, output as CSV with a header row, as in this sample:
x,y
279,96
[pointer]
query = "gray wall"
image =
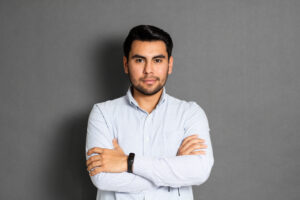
x,y
239,59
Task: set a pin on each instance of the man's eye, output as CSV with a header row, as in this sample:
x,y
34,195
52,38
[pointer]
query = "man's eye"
x,y
158,60
138,60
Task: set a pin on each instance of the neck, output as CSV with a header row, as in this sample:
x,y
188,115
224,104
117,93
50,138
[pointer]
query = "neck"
x,y
146,102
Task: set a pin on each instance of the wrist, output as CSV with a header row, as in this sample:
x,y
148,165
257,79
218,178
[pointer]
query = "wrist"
x,y
125,161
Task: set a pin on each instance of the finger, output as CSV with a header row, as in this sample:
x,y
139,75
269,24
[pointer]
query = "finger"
x,y
189,148
94,164
95,150
195,147
188,138
191,142
115,143
93,158
191,137
96,171
198,153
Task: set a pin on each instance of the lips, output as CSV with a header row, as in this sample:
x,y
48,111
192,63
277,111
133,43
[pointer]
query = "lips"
x,y
149,80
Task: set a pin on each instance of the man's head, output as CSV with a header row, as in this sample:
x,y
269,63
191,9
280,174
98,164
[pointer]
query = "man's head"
x,y
147,33
147,56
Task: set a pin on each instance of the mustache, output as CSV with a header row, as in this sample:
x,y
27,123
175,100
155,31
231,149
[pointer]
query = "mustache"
x,y
152,78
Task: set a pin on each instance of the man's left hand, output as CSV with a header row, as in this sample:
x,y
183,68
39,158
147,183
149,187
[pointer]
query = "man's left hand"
x,y
108,160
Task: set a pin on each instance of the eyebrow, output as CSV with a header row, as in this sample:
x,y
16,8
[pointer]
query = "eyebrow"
x,y
139,56
159,56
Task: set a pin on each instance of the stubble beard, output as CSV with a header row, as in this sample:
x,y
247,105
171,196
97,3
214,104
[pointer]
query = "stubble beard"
x,y
144,91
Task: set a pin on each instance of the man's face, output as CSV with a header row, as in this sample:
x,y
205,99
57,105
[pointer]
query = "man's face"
x,y
148,66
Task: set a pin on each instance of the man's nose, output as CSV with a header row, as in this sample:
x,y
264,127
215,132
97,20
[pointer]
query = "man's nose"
x,y
148,67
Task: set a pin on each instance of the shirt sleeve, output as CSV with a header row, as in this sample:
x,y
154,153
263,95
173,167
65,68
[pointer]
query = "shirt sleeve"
x,y
98,135
183,170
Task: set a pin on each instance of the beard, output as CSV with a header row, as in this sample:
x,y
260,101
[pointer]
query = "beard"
x,y
144,90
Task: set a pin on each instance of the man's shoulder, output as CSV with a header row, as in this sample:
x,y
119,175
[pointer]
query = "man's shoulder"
x,y
112,103
185,104
190,110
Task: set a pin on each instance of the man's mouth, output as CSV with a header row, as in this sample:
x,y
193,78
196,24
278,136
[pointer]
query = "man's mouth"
x,y
149,80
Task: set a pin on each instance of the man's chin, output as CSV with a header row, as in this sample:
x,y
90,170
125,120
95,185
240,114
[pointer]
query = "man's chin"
x,y
148,91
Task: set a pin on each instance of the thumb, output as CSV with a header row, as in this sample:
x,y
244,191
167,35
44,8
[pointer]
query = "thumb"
x,y
115,143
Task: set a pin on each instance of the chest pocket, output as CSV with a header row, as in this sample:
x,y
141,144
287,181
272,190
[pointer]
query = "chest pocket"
x,y
173,141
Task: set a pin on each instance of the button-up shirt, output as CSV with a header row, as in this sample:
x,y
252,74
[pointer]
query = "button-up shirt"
x,y
155,137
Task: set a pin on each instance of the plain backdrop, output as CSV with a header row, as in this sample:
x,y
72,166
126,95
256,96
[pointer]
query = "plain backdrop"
x,y
238,59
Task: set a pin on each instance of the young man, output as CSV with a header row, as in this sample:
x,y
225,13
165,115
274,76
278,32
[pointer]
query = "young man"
x,y
148,144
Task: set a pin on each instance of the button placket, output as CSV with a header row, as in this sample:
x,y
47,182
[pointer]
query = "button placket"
x,y
146,134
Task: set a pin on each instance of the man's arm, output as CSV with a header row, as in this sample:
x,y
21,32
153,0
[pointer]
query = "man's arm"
x,y
98,135
181,170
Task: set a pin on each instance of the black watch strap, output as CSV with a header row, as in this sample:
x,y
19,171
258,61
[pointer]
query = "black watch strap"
x,y
130,162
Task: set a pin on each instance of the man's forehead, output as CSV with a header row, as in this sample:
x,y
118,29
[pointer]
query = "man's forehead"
x,y
148,47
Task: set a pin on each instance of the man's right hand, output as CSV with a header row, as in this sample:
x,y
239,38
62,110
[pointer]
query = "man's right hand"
x,y
190,144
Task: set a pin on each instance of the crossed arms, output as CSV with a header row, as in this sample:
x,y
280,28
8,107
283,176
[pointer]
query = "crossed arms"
x,y
149,172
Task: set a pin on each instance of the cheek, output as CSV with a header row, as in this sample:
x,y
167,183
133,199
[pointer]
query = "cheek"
x,y
135,73
163,71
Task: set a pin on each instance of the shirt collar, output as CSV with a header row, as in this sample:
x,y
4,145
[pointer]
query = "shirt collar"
x,y
133,101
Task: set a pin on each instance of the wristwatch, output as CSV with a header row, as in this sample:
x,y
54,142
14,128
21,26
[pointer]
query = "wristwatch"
x,y
130,162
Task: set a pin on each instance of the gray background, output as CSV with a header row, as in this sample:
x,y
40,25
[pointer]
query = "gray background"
x,y
238,59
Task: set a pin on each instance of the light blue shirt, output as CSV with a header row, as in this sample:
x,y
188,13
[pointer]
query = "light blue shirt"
x,y
158,174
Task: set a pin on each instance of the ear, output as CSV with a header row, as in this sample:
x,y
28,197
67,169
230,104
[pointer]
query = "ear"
x,y
125,65
170,65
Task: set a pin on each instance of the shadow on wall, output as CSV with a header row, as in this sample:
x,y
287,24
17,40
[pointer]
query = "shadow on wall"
x,y
108,69
67,175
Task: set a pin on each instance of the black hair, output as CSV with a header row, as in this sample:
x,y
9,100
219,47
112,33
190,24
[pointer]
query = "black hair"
x,y
147,33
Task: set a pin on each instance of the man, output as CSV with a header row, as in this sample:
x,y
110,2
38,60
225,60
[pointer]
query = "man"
x,y
148,144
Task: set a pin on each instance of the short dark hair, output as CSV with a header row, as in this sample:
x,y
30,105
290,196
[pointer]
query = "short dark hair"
x,y
147,33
